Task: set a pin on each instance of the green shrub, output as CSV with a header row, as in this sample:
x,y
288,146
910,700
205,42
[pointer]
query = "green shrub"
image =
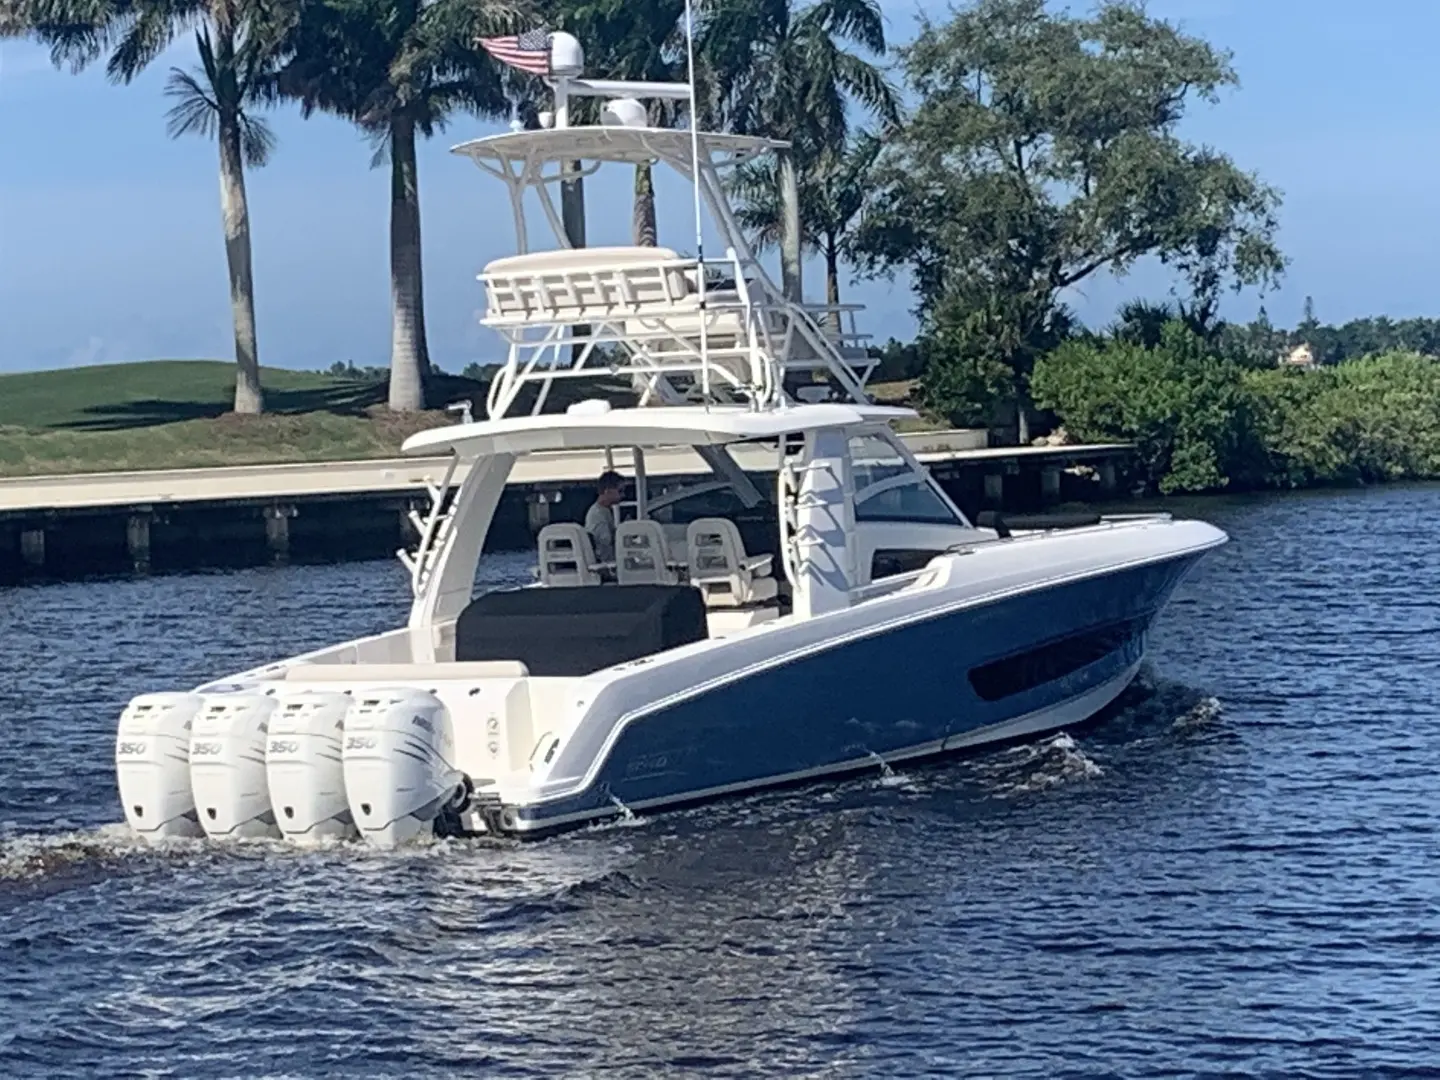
x,y
1365,421
968,390
1185,410
1200,422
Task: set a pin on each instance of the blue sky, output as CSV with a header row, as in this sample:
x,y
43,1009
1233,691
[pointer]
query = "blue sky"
x,y
110,244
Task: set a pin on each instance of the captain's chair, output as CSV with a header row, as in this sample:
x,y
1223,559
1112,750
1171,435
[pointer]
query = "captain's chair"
x,y
566,556
642,557
721,570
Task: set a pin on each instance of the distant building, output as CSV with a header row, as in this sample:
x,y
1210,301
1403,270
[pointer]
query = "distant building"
x,y
1301,356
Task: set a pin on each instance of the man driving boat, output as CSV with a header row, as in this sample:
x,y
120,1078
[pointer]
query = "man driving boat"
x,y
600,518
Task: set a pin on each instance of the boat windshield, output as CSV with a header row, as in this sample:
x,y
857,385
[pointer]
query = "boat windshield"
x,y
888,488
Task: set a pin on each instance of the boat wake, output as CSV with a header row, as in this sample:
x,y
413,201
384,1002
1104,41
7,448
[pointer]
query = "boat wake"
x,y
41,864
1153,706
1200,715
82,857
1039,766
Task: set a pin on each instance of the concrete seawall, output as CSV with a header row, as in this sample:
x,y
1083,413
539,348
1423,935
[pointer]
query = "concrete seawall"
x,y
55,527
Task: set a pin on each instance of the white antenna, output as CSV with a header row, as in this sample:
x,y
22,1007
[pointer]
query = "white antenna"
x,y
695,185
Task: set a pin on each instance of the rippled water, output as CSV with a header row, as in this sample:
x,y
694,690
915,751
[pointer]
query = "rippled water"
x,y
1237,870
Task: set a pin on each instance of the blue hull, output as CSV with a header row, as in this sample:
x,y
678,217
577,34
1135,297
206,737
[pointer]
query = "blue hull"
x,y
904,692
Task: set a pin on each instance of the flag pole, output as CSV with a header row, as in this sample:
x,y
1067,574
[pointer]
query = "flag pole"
x,y
695,186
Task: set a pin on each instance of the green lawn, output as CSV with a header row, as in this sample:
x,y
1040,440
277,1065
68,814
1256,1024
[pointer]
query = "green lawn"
x,y
112,397
175,413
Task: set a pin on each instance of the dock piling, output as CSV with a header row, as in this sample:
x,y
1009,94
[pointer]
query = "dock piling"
x,y
1050,485
32,548
537,511
277,533
994,489
137,542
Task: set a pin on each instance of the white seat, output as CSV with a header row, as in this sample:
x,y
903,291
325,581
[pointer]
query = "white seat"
x,y
642,555
566,556
721,570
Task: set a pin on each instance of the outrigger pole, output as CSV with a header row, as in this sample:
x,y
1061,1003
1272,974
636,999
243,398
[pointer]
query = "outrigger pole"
x,y
695,187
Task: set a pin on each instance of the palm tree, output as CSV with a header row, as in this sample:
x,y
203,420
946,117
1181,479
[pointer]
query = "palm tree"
x,y
832,191
788,73
397,69
236,40
234,70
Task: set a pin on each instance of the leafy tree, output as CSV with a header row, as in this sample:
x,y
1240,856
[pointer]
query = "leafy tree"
x,y
398,70
898,360
976,343
1044,149
237,42
1142,323
1252,345
1308,323
832,188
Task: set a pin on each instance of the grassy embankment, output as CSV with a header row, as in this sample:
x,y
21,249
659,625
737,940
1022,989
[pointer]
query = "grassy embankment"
x,y
172,414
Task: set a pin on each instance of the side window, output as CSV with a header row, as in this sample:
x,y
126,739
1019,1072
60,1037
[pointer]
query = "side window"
x,y
882,492
872,460
889,562
720,502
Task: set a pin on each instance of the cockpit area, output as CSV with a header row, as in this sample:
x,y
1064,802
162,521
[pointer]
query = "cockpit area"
x,y
726,519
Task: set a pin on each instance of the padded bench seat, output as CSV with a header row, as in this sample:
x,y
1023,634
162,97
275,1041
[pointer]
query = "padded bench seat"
x,y
578,284
407,673
569,630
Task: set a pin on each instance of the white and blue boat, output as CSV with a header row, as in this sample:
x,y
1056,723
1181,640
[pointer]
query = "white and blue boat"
x,y
792,596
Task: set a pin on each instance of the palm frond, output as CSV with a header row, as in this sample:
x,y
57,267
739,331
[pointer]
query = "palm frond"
x,y
869,87
217,89
858,21
257,140
146,33
195,111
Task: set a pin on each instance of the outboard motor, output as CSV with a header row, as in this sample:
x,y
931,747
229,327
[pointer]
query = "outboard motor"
x,y
399,745
305,769
152,765
227,766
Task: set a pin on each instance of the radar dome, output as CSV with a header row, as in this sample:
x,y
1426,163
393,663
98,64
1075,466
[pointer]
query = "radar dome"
x,y
566,55
623,112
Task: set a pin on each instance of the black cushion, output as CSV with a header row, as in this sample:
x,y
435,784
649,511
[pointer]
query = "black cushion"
x,y
577,629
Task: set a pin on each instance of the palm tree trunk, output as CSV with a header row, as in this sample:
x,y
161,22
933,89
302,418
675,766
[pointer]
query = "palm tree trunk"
x,y
790,240
236,214
832,281
409,357
572,217
642,225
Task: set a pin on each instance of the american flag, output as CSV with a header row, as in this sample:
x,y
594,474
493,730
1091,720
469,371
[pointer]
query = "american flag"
x,y
529,51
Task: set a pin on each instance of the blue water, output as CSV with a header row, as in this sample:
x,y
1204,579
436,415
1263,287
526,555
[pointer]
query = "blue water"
x,y
1238,870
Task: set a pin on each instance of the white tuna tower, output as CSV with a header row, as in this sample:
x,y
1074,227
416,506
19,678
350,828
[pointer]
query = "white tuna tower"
x,y
679,330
